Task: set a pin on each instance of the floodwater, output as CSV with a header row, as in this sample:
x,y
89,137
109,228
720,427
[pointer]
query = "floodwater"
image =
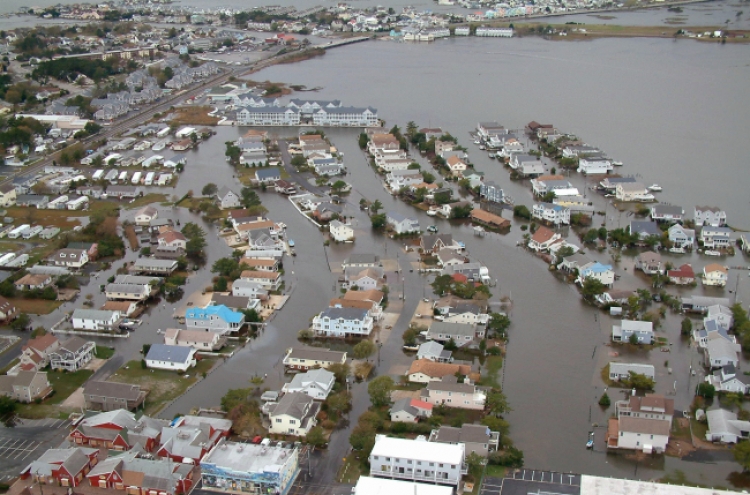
x,y
646,102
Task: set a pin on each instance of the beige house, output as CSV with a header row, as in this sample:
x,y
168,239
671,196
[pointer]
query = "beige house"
x,y
426,370
305,358
715,275
451,393
200,340
26,386
35,355
7,195
294,414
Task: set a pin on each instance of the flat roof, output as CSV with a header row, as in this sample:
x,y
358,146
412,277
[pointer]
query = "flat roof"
x,y
418,449
596,485
380,486
248,457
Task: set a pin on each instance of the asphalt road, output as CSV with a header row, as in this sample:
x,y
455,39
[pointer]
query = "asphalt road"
x,y
24,443
297,177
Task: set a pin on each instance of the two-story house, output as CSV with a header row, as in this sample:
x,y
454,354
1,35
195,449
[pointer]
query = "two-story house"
x,y
70,258
35,354
461,333
649,262
550,213
450,392
294,414
715,275
341,322
72,354
667,213
642,423
643,331
716,237
218,319
417,460
543,239
26,386
401,224
709,215
316,383
110,396
681,237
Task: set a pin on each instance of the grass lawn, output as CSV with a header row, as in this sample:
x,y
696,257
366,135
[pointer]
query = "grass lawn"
x,y
34,306
699,428
197,115
163,385
493,364
351,470
64,384
495,471
104,352
146,200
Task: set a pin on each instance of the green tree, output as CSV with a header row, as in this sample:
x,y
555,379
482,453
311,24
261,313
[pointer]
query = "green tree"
x,y
495,423
337,186
363,350
7,411
742,454
590,236
497,403
363,439
605,401
592,288
209,189
508,457
225,266
706,390
639,381
498,323
474,462
522,211
299,161
316,436
249,198
633,339
340,371
363,140
378,221
21,323
686,328
338,404
220,285
380,390
376,207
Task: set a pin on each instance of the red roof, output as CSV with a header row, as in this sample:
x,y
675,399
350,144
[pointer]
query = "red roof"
x,y
460,277
421,404
685,271
542,235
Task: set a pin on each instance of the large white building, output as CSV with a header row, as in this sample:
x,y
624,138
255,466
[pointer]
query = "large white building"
x,y
379,486
346,117
340,322
268,116
417,460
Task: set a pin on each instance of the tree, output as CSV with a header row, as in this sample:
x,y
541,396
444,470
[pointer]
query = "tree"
x,y
706,390
590,236
461,211
380,390
337,186
498,323
316,436
592,288
225,266
686,328
639,381
442,284
299,161
363,350
376,207
378,221
548,197
209,189
474,461
249,198
742,454
509,457
196,240
220,285
338,403
633,339
605,401
363,439
340,371
497,403
363,140
21,323
7,411
495,423
522,211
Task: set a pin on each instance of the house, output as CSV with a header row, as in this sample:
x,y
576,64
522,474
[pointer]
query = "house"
x,y
127,292
170,357
72,354
681,237
491,192
643,331
7,195
153,266
171,239
715,275
294,414
684,275
598,271
644,229
727,379
305,358
136,474
417,460
476,439
362,260
145,215
466,313
542,239
341,322
110,396
632,191
700,304
245,288
62,467
190,438
269,281
71,258
317,383
642,423
95,319
461,333
649,262
35,354
491,220
33,281
260,468
622,371
710,328
426,371
667,213
721,351
267,175
364,279
227,198
410,410
401,224
456,165
434,351
716,237
325,212
200,340
340,232
724,427
285,187
592,165
25,386
236,303
433,243
551,213
709,215
219,319
449,392
448,257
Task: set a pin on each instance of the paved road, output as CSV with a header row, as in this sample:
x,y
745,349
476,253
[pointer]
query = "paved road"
x,y
24,443
296,176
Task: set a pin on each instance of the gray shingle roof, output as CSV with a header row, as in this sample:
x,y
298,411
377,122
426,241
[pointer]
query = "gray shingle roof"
x,y
169,353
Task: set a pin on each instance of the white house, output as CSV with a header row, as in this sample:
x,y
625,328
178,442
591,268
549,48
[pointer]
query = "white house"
x,y
340,322
543,238
316,383
727,379
401,224
721,352
709,215
228,198
417,460
94,319
643,330
643,423
594,166
724,427
200,340
715,275
294,414
170,357
632,191
70,258
452,393
145,215
551,213
340,231
681,237
716,237
621,371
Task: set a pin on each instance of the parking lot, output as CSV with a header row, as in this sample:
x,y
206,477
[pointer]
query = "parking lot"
x,y
28,440
524,481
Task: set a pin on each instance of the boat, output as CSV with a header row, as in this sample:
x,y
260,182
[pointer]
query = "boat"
x,y
590,443
477,141
412,348
492,154
655,188
432,228
617,163
677,250
482,147
291,243
711,253
432,211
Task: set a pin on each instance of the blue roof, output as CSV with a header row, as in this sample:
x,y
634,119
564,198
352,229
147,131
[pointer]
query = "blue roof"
x,y
169,353
598,268
267,173
221,311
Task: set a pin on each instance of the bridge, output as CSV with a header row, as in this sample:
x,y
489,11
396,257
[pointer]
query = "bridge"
x,y
342,42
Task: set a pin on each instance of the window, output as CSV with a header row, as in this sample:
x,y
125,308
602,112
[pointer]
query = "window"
x,y
278,420
440,465
410,461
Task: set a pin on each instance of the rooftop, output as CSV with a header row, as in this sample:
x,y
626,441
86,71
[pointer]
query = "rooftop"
x,y
418,449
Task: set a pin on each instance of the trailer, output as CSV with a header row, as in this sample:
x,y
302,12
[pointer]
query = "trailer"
x,y
58,203
98,174
112,156
136,179
32,231
18,231
7,258
111,176
123,176
18,261
78,203
162,133
152,160
149,178
49,232
4,230
164,179
184,132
